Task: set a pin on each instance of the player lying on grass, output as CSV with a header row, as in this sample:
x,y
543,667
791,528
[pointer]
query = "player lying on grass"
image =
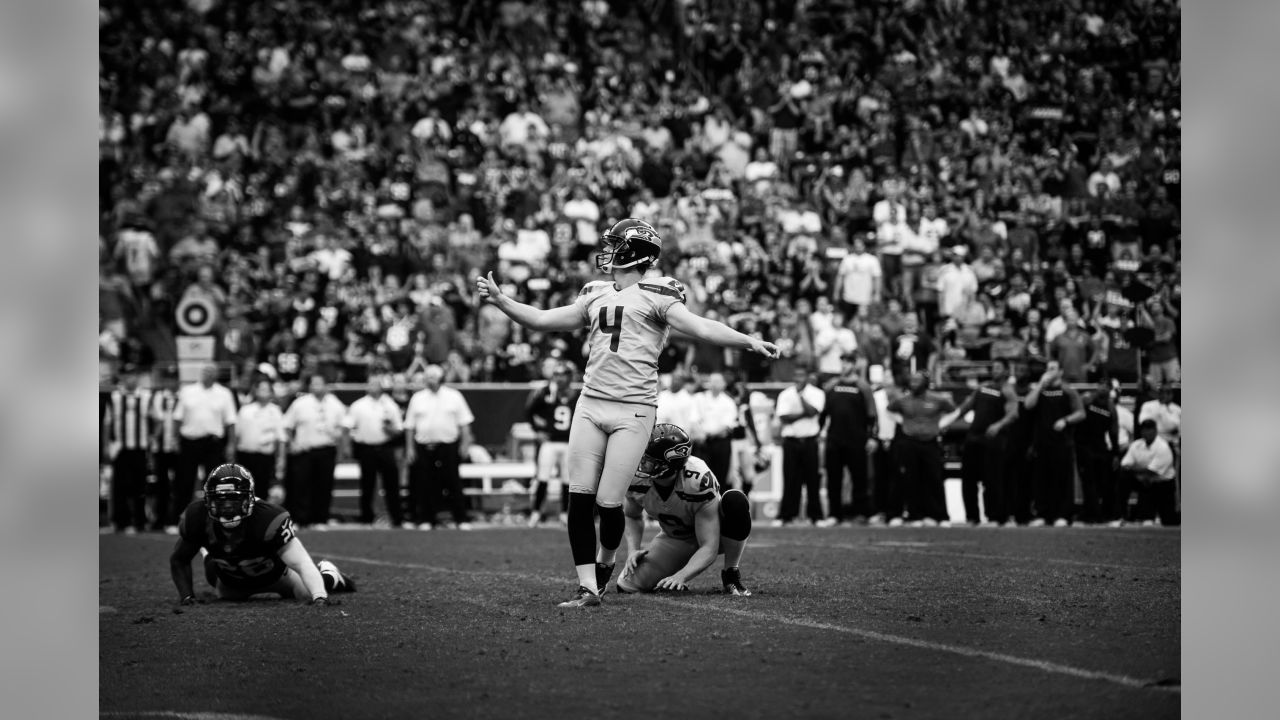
x,y
697,522
250,546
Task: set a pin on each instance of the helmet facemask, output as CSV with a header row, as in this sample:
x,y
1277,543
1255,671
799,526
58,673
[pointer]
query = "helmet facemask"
x,y
228,495
230,507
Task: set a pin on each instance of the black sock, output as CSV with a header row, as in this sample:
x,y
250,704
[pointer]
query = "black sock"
x,y
735,515
612,525
582,528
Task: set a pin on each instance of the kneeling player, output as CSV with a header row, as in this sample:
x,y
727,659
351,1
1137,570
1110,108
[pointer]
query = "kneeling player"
x,y
250,546
697,522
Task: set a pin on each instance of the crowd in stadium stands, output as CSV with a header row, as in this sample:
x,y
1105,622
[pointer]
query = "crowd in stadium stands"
x,y
928,184
329,177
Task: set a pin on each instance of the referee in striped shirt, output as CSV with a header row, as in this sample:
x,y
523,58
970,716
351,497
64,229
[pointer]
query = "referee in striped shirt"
x,y
125,428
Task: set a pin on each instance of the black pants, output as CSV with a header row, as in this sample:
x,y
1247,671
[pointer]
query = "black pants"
x,y
263,468
851,455
799,469
434,473
1154,498
378,462
1053,487
717,452
197,458
1097,483
983,463
165,466
309,485
886,486
129,489
1018,469
920,462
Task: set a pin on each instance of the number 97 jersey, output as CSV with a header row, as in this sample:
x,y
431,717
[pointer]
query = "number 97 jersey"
x,y
695,487
628,329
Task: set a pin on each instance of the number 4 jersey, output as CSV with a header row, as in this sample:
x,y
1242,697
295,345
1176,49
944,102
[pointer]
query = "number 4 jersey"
x,y
247,556
627,330
694,488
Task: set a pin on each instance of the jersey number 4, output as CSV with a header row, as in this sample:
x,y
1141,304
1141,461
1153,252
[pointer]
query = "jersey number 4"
x,y
614,328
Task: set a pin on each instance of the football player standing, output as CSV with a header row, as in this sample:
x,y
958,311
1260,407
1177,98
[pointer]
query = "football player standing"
x,y
698,523
628,320
250,546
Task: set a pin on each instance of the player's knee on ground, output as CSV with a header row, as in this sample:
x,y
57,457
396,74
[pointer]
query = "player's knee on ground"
x,y
735,515
664,557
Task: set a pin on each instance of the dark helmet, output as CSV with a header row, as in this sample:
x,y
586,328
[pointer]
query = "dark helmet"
x,y
628,243
668,449
228,493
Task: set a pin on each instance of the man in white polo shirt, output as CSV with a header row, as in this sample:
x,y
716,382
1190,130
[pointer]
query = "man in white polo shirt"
x,y
1148,467
718,416
858,279
206,417
313,426
259,432
437,433
375,424
798,408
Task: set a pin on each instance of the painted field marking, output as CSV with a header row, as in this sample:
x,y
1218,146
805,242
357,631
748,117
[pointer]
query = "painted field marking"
x,y
173,715
766,617
880,547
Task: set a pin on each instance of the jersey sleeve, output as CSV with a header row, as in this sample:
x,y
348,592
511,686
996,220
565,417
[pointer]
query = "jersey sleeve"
x,y
663,292
583,301
279,529
698,484
191,525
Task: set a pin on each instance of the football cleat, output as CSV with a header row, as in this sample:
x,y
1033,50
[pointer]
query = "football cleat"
x,y
603,573
732,579
583,598
337,582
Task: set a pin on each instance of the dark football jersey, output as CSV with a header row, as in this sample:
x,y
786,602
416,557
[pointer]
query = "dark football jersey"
x,y
555,412
247,556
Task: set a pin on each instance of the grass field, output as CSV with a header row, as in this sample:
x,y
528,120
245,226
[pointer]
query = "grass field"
x,y
848,623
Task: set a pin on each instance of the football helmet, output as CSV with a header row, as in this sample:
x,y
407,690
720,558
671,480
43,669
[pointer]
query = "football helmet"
x,y
228,493
627,244
668,449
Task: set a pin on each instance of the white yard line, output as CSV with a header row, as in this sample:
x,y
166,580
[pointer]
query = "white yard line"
x,y
773,618
874,547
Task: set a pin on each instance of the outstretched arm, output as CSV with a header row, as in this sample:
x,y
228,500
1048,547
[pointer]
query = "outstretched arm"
x,y
299,561
684,321
560,319
180,568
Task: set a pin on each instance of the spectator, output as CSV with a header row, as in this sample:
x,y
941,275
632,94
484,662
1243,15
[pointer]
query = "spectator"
x,y
1097,450
1162,356
798,410
858,280
995,408
313,428
259,436
1147,467
437,428
206,417
1054,407
717,415
1073,348
374,424
1166,413
956,284
849,422
920,451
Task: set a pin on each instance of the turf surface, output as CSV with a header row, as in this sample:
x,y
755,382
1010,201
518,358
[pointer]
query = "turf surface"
x,y
845,622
